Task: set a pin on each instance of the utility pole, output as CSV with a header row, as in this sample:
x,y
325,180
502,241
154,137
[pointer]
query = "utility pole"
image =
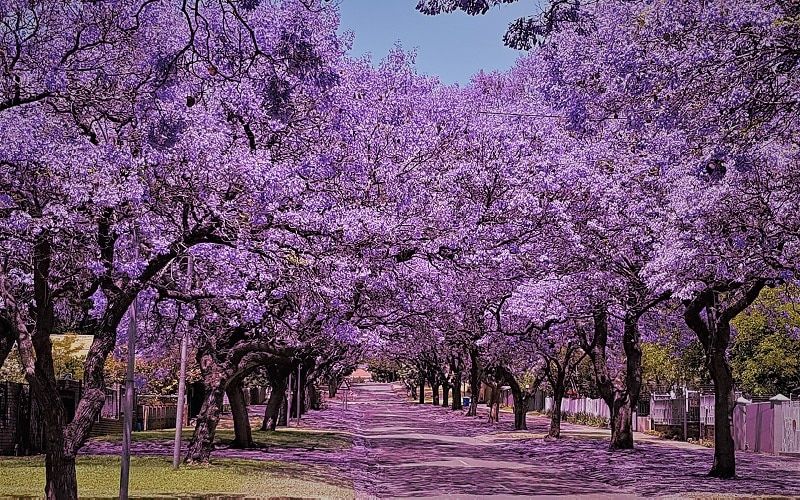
x,y
176,452
298,395
130,399
289,401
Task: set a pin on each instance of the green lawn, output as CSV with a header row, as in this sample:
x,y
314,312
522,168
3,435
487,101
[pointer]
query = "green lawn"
x,y
153,477
283,438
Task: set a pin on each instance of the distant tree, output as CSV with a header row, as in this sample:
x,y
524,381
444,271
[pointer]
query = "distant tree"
x,y
67,360
11,370
765,353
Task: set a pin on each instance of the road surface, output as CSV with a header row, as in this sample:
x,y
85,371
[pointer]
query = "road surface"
x,y
403,449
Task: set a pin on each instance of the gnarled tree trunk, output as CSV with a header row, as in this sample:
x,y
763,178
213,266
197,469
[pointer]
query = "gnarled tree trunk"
x,y
445,395
243,435
333,386
714,332
621,424
311,397
60,474
494,403
620,401
457,402
412,390
625,401
724,466
277,396
520,411
520,397
456,368
555,415
60,477
202,442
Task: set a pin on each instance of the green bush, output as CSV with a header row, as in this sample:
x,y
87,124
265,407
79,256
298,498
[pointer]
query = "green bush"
x,y
583,418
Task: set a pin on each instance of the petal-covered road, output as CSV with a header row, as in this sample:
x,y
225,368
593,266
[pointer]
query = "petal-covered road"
x,y
402,449
413,450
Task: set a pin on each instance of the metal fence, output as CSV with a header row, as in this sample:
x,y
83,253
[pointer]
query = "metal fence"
x,y
663,410
643,408
707,409
688,407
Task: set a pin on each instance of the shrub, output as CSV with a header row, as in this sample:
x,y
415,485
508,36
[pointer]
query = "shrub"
x,y
583,418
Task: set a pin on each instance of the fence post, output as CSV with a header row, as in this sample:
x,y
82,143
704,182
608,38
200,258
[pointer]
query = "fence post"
x,y
685,414
299,393
289,402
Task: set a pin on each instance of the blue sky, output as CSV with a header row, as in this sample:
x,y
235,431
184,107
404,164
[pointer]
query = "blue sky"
x,y
452,46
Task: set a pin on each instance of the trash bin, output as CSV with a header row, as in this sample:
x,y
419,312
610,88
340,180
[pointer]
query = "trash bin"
x,y
465,401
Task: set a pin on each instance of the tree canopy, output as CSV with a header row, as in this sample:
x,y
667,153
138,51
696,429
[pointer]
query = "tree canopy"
x,y
635,173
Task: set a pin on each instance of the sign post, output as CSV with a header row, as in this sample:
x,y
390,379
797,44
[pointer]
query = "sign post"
x,y
298,396
130,399
345,392
130,405
176,451
289,401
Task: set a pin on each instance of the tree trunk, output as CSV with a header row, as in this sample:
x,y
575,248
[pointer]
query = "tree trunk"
x,y
277,396
60,478
520,411
312,398
413,390
520,399
494,404
283,413
621,424
36,357
458,404
422,390
445,395
714,333
435,389
474,382
626,400
60,445
724,466
296,409
61,482
60,475
202,441
243,436
555,414
620,402
333,387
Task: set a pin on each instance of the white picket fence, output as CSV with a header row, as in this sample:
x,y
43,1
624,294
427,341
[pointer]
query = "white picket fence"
x,y
594,407
771,427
